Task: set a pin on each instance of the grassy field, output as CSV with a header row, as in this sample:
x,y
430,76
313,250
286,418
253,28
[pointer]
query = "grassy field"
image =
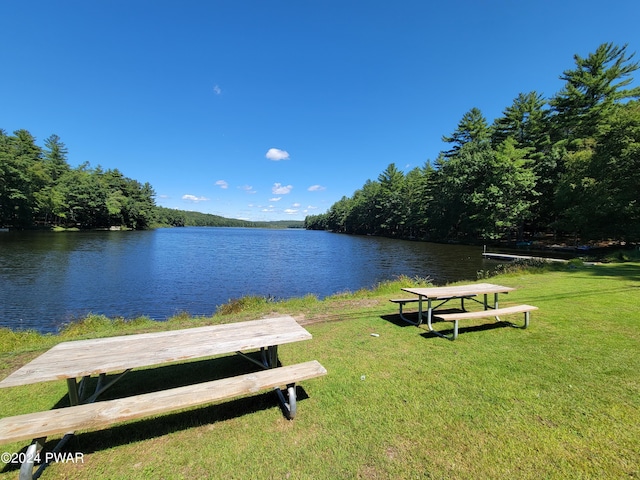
x,y
558,400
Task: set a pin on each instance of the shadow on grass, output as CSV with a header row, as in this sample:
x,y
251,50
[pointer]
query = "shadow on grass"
x,y
163,378
413,316
464,330
582,293
622,271
396,320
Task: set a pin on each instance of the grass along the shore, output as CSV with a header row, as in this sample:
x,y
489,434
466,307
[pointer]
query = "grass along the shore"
x,y
558,400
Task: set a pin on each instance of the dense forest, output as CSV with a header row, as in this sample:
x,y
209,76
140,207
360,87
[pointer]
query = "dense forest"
x,y
185,218
568,165
38,188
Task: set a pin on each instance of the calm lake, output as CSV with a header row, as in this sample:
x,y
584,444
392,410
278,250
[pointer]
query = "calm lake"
x,y
48,279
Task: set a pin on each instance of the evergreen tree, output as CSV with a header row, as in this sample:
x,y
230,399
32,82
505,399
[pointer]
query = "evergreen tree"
x,y
599,195
55,157
472,127
23,176
417,198
363,216
390,206
526,121
591,89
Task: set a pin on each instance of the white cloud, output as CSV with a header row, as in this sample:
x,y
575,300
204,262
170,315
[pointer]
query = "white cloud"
x,y
275,199
279,189
276,154
193,198
222,184
247,188
296,205
316,188
290,211
217,90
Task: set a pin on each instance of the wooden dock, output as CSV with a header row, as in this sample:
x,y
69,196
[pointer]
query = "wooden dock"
x,y
507,257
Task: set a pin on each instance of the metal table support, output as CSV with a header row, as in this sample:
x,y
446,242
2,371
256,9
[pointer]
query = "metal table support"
x,y
76,397
269,359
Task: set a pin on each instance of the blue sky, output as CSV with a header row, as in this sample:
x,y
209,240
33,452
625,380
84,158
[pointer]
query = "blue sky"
x,y
269,110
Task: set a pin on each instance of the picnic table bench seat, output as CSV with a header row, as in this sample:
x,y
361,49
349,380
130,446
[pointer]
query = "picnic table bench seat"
x,y
97,357
102,414
493,312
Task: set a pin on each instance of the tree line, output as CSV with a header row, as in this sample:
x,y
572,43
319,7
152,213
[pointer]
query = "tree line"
x,y
38,188
569,164
186,218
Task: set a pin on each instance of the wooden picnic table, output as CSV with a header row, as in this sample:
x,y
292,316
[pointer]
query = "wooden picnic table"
x,y
85,358
81,358
446,294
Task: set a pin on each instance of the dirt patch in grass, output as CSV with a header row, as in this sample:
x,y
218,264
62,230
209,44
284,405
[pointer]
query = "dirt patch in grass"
x,y
335,311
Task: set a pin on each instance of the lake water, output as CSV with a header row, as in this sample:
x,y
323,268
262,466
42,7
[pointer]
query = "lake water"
x,y
48,279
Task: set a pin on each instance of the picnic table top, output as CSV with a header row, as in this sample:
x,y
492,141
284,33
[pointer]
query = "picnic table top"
x,y
458,290
111,354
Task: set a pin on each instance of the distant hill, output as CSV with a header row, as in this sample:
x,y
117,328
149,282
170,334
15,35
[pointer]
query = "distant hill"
x,y
184,218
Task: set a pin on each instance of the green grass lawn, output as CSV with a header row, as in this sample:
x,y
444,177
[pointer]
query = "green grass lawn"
x,y
560,399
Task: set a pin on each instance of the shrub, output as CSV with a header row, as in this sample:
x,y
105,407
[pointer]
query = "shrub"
x,y
237,305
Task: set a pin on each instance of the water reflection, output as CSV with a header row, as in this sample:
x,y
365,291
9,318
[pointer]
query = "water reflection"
x,y
51,278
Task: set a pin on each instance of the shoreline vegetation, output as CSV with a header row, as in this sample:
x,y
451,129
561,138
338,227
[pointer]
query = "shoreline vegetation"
x,y
557,400
41,191
565,166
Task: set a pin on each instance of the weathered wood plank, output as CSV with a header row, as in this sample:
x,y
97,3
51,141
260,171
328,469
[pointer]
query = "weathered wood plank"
x,y
404,300
99,415
458,290
112,354
496,312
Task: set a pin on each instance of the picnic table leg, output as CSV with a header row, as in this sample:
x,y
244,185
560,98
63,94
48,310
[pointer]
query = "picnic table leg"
x,y
401,304
270,356
76,392
527,318
290,407
416,323
430,326
429,312
269,359
102,386
74,395
32,454
495,304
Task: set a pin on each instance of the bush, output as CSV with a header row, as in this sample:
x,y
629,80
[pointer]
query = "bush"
x,y
621,256
516,266
237,305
